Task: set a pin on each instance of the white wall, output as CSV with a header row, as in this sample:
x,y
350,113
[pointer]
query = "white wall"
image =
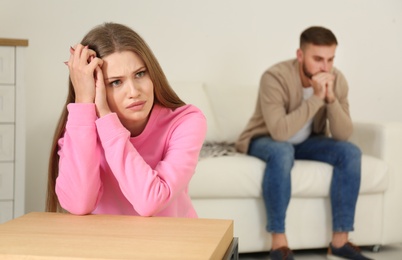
x,y
214,41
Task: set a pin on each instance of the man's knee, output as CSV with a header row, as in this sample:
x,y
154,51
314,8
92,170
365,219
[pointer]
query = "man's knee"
x,y
281,153
351,150
283,148
266,149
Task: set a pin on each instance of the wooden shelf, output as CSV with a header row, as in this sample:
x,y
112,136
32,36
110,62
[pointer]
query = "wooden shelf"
x,y
13,42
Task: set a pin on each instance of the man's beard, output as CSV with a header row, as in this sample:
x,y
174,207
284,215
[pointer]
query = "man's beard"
x,y
306,72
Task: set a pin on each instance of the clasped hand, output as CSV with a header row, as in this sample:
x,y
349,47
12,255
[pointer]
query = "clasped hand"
x,y
323,85
87,78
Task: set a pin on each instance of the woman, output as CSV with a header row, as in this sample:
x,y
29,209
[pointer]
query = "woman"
x,y
125,143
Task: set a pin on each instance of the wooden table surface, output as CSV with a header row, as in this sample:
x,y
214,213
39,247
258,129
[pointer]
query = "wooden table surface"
x,y
41,235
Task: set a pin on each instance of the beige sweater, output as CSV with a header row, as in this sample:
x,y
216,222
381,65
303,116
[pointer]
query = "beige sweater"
x,y
281,111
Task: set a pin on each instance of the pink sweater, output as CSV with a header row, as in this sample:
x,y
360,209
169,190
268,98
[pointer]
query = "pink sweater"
x,y
102,170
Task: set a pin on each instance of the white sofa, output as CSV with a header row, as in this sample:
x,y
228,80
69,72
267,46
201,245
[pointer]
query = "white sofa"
x,y
229,187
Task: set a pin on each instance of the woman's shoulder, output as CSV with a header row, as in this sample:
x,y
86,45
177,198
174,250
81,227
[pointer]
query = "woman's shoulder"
x,y
188,115
187,109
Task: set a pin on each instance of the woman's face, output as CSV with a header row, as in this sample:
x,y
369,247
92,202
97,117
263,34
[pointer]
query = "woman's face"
x,y
129,89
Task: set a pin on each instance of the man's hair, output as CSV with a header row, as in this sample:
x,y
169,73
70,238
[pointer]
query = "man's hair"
x,y
317,35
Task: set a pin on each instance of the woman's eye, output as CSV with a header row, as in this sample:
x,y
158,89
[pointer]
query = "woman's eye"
x,y
140,74
115,83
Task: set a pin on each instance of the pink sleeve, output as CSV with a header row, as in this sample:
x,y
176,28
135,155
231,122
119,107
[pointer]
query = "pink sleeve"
x,y
78,185
152,190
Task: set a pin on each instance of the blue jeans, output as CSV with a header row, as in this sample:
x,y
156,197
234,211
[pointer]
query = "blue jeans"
x,y
345,158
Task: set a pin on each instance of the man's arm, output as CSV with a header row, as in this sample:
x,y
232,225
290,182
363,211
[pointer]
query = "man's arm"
x,y
274,99
340,122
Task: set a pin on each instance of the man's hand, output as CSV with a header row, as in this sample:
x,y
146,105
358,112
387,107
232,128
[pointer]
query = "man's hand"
x,y
330,97
323,85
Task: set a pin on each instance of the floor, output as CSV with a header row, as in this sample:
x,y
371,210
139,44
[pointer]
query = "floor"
x,y
391,252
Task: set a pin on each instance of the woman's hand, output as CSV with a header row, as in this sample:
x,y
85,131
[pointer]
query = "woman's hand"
x,y
83,64
102,107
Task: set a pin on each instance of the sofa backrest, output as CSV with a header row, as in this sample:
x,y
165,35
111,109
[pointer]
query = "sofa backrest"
x,y
227,108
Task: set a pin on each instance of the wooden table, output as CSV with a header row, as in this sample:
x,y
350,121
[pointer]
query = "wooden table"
x,y
41,235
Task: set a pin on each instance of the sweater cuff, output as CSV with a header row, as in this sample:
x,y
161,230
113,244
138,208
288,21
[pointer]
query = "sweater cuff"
x,y
333,105
109,126
316,101
81,114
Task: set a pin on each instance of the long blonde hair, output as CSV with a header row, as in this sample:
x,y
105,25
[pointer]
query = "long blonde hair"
x,y
106,39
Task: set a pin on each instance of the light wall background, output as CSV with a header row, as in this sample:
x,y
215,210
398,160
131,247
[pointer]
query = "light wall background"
x,y
219,42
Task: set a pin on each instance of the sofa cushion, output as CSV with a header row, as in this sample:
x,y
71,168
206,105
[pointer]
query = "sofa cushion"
x,y
240,176
194,93
233,106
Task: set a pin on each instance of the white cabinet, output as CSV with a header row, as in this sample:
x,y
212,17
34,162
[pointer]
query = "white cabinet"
x,y
12,130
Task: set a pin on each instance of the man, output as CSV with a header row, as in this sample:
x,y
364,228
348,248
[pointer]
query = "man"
x,y
301,103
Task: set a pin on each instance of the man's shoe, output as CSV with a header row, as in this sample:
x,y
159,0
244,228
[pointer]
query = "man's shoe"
x,y
348,251
282,253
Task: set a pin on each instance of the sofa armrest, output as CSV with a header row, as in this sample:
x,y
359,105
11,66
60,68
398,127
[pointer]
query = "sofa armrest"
x,y
377,139
384,141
